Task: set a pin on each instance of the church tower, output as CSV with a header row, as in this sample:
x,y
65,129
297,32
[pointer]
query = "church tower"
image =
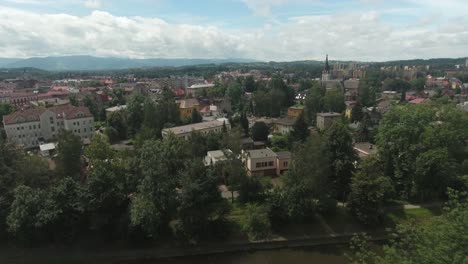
x,y
326,71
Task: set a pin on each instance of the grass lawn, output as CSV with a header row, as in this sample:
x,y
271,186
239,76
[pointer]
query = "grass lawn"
x,y
415,214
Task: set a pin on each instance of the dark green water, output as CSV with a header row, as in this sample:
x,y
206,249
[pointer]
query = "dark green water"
x,y
278,256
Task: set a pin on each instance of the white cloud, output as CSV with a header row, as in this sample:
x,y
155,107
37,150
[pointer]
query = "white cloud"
x,y
263,7
359,36
93,4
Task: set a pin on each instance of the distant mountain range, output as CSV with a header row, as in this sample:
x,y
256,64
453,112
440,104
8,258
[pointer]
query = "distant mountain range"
x,y
90,63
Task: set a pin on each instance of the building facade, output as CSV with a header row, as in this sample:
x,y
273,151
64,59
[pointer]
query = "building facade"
x,y
30,127
204,128
325,120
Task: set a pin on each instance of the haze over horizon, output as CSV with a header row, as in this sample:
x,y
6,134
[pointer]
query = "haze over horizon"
x,y
275,30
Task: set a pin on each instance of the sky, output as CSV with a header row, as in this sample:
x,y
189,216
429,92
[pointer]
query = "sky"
x,y
267,30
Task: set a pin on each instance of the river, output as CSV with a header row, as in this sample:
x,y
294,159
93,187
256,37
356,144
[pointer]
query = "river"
x,y
331,255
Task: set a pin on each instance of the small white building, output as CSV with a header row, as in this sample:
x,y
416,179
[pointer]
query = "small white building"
x,y
204,128
46,150
216,156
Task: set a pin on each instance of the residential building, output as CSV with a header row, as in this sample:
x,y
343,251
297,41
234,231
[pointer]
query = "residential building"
x,y
187,106
203,128
29,127
295,111
111,110
351,88
283,125
216,156
283,160
260,162
325,120
196,89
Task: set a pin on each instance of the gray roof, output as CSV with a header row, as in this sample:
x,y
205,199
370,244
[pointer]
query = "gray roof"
x,y
195,127
260,153
283,154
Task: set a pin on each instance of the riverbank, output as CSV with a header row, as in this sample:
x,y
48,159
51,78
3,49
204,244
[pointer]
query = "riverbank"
x,y
322,231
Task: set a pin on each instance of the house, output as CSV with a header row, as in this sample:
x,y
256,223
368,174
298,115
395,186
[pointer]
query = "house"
x,y
214,126
325,120
295,111
187,106
260,162
28,127
111,110
216,156
283,160
196,89
283,125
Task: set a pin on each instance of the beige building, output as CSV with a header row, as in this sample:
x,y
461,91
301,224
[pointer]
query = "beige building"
x,y
260,162
195,89
284,125
325,120
29,127
283,160
215,126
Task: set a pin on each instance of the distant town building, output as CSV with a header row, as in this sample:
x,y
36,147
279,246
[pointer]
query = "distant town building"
x,y
295,111
283,125
195,89
114,109
265,162
216,156
203,128
28,128
325,120
187,106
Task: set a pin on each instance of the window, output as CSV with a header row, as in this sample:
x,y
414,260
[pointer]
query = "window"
x,y
285,164
18,128
84,129
270,163
34,126
51,120
30,127
53,129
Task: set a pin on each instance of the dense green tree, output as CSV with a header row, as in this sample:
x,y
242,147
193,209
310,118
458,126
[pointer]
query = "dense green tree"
x,y
199,202
5,109
196,117
407,131
159,163
106,194
418,84
434,171
99,149
256,222
244,122
300,131
367,92
313,103
135,108
334,101
234,92
440,240
307,178
91,104
260,131
249,84
279,142
356,113
342,158
118,122
369,189
69,150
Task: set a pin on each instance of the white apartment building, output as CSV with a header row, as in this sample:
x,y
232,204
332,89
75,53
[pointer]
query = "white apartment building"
x,y
29,127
